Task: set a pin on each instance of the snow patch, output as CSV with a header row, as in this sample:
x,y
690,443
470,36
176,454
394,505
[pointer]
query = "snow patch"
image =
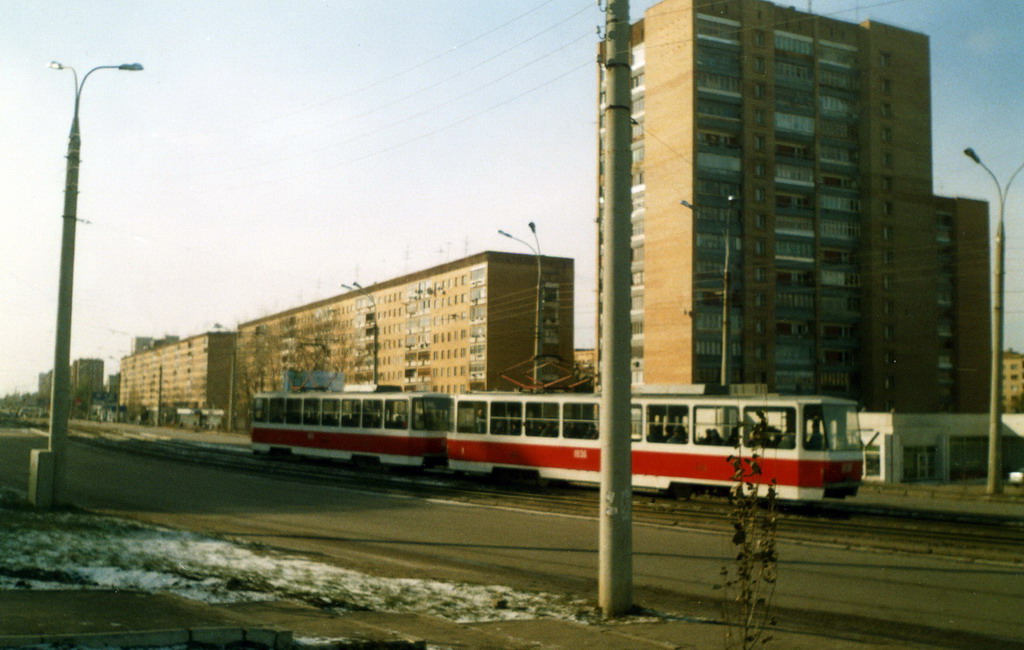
x,y
71,550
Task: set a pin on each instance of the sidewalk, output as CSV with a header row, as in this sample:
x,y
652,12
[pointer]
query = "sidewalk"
x,y
129,619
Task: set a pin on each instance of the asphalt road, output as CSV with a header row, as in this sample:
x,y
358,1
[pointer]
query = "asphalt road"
x,y
675,570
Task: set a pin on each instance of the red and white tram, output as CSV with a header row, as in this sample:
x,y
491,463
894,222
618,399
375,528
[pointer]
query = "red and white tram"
x,y
681,442
392,427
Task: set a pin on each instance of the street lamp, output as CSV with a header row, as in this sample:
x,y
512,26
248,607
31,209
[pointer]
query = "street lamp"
x,y
538,325
995,479
373,305
60,400
726,282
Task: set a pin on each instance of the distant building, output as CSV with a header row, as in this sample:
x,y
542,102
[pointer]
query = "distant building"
x,y
465,325
45,386
172,374
804,146
1013,381
86,376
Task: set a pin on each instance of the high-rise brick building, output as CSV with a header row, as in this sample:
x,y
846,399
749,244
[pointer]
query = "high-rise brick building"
x,y
804,144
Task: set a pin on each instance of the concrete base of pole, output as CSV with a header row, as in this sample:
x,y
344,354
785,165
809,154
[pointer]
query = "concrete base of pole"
x,y
40,479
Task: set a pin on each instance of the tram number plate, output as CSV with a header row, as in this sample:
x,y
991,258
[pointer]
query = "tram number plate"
x,y
579,453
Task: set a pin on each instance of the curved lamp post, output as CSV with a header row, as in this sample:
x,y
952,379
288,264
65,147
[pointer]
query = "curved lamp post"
x,y
376,329
537,325
995,478
726,288
60,399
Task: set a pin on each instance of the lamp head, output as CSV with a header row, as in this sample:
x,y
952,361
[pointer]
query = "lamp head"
x,y
130,66
686,204
502,232
969,152
56,65
533,227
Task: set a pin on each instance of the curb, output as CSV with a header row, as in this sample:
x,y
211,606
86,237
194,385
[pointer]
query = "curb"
x,y
205,636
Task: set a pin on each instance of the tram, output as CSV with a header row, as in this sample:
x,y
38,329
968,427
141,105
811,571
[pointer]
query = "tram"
x,y
680,442
406,429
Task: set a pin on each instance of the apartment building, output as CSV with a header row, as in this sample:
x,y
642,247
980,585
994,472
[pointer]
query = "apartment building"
x,y
466,325
172,373
803,144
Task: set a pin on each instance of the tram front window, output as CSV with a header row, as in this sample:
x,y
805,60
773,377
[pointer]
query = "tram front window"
x,y
830,427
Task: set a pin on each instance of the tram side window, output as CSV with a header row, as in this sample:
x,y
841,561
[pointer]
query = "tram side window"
x,y
293,410
276,410
397,414
506,418
311,411
781,427
259,409
636,423
331,412
350,412
814,428
668,423
579,421
373,413
716,425
431,413
471,417
542,419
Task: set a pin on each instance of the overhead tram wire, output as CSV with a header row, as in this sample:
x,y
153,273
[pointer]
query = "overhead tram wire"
x,y
317,130
399,145
400,73
410,117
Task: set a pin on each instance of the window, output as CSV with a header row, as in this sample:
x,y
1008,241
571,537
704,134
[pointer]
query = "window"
x,y
471,417
718,83
579,421
293,411
793,43
259,409
794,123
396,413
715,425
330,416
351,412
667,424
815,432
373,413
780,431
311,412
542,419
506,418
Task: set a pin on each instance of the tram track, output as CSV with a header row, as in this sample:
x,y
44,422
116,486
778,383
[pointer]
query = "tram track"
x,y
975,537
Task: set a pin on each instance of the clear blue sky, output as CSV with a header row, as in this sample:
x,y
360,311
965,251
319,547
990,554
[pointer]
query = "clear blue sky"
x,y
272,151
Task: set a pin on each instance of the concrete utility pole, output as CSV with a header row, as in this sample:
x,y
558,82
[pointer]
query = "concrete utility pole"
x,y
615,580
47,475
995,421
